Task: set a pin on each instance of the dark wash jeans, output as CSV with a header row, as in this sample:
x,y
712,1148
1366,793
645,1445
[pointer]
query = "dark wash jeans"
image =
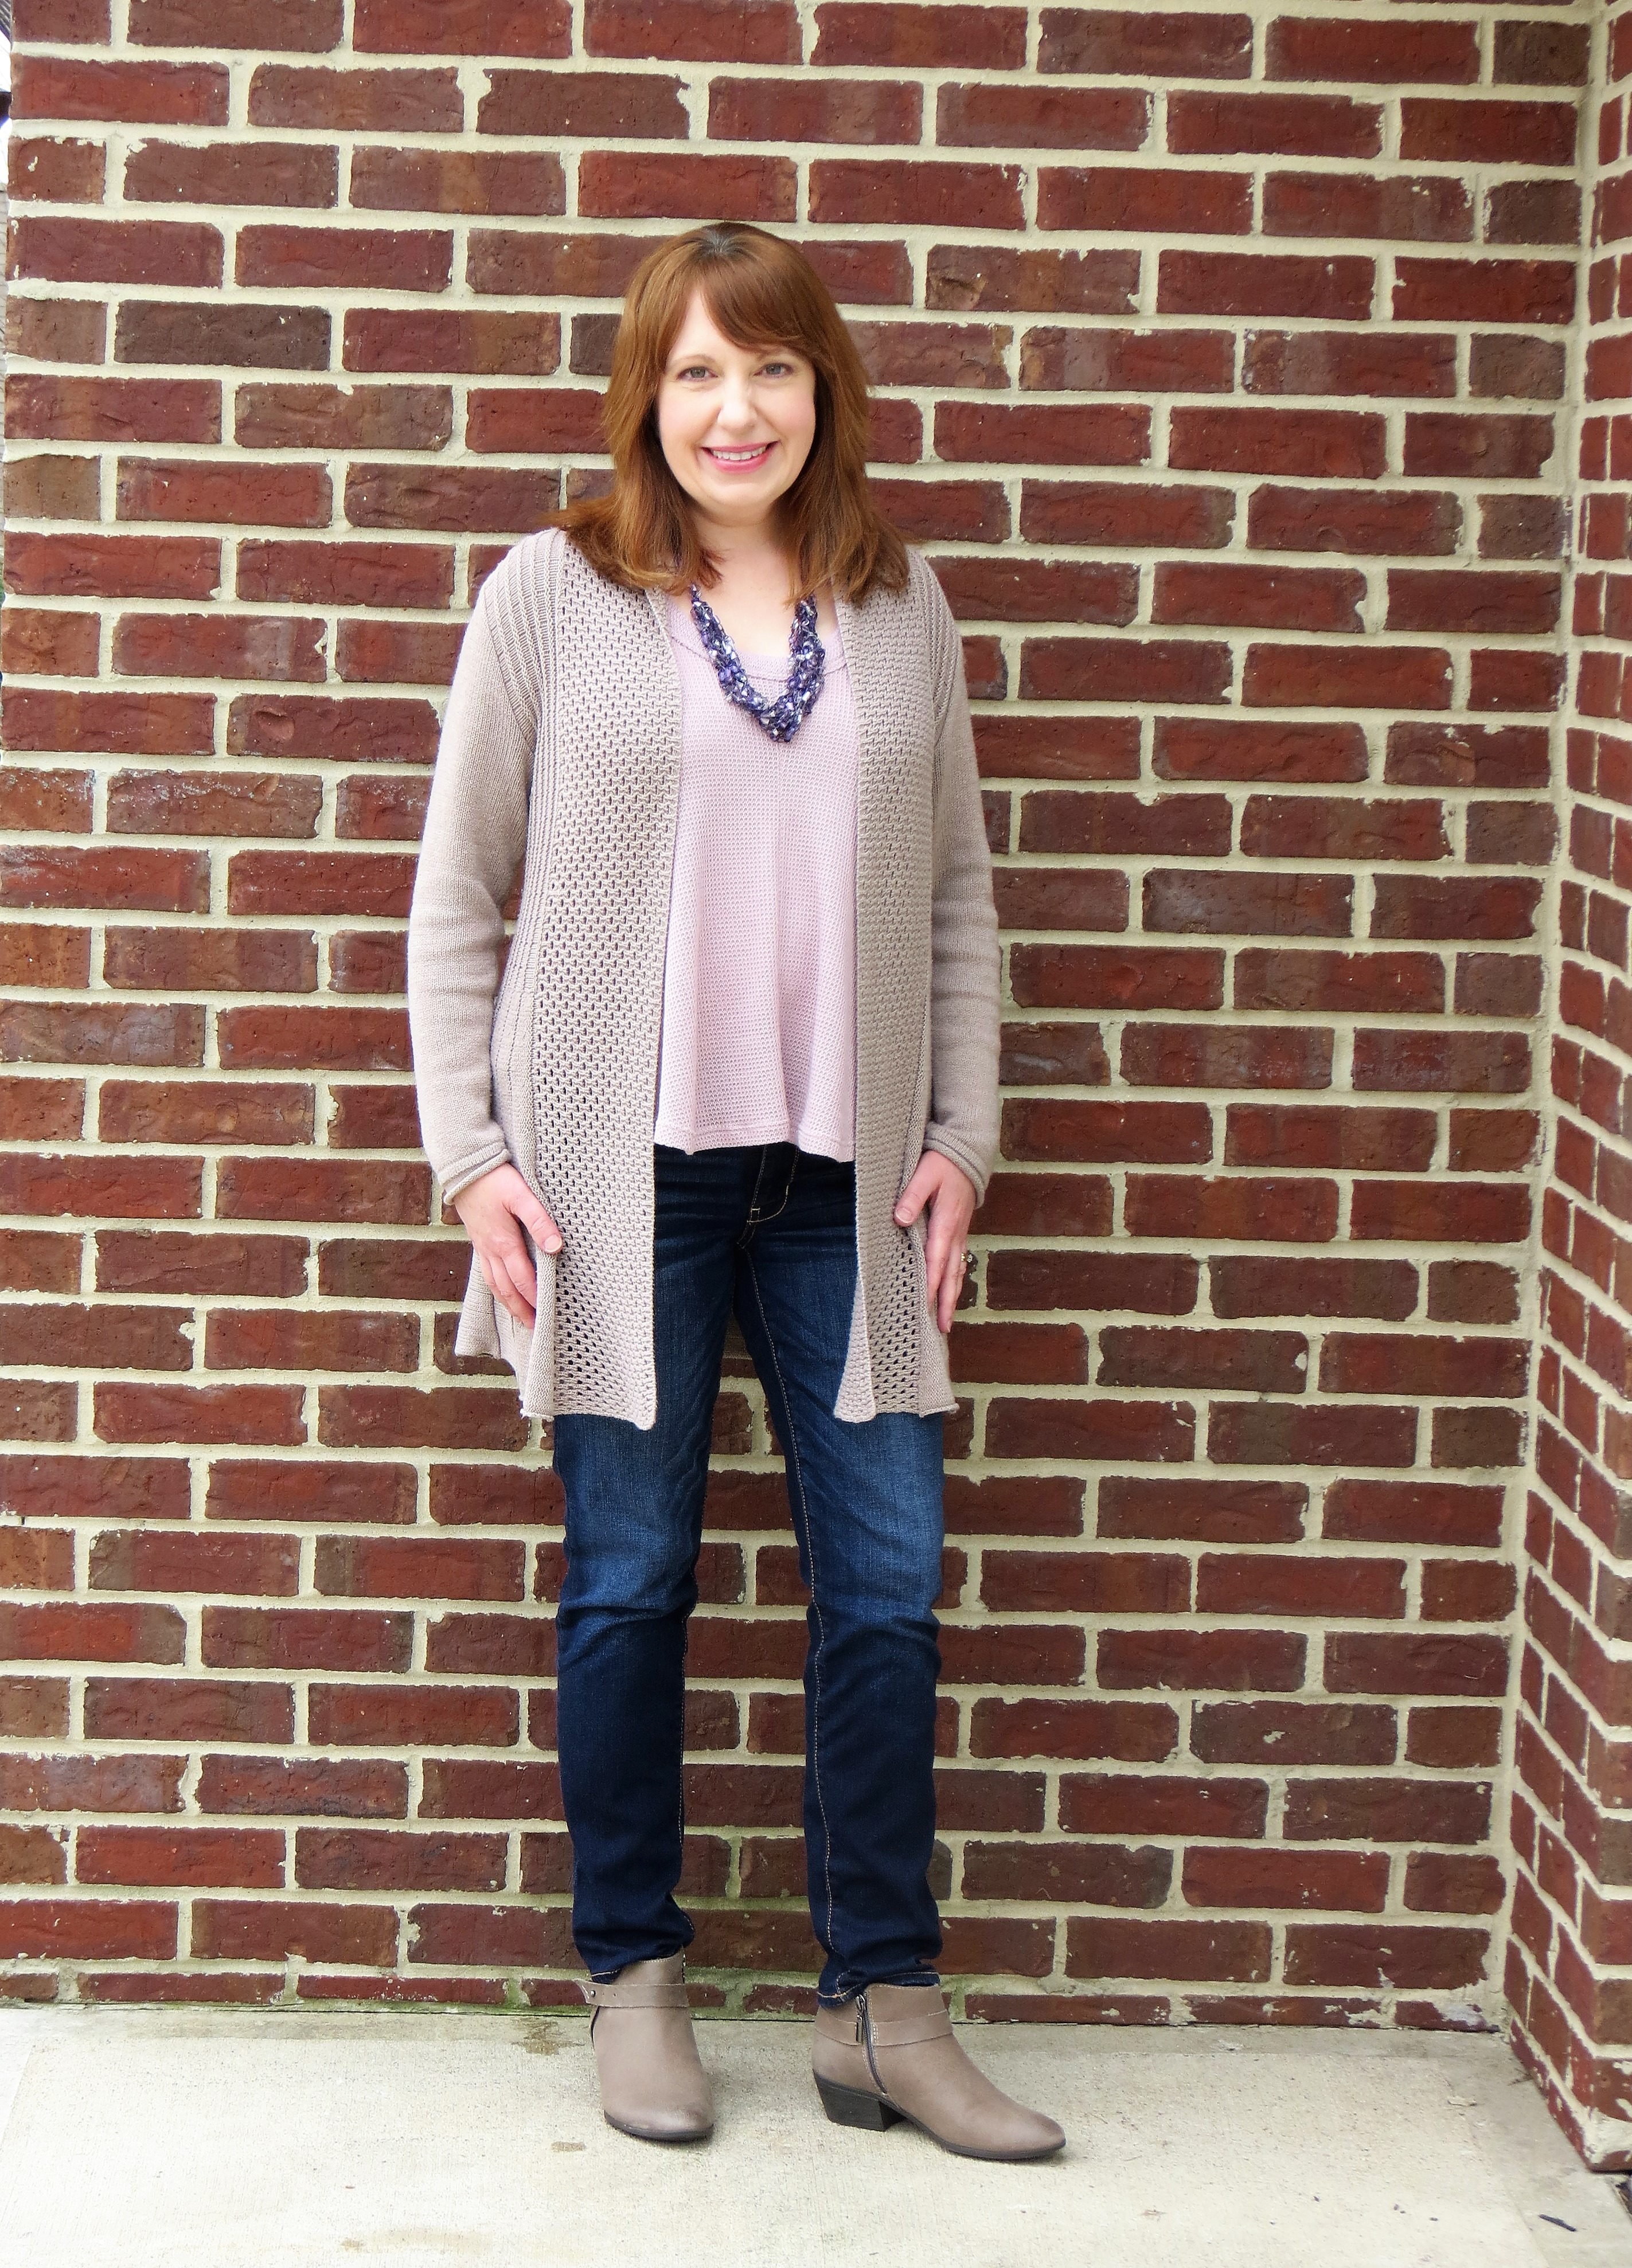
x,y
768,1230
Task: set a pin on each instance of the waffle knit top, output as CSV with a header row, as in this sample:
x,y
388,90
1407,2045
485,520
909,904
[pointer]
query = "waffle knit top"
x,y
758,1029
560,760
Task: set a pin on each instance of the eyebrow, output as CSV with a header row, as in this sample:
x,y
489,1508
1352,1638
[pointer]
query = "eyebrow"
x,y
702,354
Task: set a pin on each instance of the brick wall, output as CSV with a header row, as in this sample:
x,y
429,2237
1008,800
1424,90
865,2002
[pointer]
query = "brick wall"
x,y
1224,367
1571,1953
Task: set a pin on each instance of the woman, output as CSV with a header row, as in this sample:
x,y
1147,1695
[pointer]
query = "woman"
x,y
742,1060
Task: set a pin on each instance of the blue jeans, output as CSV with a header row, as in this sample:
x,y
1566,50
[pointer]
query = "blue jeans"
x,y
768,1231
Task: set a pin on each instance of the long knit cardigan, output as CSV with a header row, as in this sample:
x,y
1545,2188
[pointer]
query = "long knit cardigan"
x,y
560,756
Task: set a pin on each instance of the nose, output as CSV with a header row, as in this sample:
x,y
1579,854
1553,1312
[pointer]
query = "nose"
x,y
736,411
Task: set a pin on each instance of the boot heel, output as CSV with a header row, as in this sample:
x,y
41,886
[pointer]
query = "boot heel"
x,y
849,2106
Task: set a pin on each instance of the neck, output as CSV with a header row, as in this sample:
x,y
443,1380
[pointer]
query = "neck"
x,y
755,550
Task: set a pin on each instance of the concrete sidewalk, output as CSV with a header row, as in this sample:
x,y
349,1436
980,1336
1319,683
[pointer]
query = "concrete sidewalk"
x,y
154,2138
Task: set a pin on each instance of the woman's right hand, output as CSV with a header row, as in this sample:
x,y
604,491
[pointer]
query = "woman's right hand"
x,y
495,1210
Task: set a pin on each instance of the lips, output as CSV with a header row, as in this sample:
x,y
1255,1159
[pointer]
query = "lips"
x,y
740,460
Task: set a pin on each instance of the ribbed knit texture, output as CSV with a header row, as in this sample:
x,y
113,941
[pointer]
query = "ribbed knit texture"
x,y
759,1033
563,740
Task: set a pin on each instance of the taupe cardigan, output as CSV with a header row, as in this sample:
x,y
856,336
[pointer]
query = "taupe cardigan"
x,y
562,741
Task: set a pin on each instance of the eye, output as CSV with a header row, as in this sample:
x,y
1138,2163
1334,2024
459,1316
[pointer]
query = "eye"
x,y
695,370
777,369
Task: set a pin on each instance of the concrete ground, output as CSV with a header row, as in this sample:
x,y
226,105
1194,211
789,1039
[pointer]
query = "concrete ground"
x,y
154,2139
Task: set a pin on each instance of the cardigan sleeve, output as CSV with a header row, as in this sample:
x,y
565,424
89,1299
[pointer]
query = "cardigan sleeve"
x,y
474,836
965,1010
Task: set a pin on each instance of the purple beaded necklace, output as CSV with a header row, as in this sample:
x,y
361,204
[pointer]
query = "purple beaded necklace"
x,y
782,718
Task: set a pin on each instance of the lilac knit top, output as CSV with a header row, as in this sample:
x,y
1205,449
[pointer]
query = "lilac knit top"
x,y
759,1034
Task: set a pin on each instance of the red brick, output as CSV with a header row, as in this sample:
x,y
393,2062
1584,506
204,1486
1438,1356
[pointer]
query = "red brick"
x,y
246,172
865,32
278,647
87,1929
1351,519
102,1784
41,408
901,192
1345,445
1086,976
1440,442
1393,1954
1484,290
1287,1434
1123,669
1282,1733
95,1337
1476,131
1202,748
1117,43
291,416
356,730
1286,125
39,1110
272,1929
1291,1210
1240,283
267,1414
690,187
1403,1662
237,334
207,1110
1381,52
82,252
67,23
1144,199
871,111
97,1630
356,101
1433,208
1356,1881
1029,117
457,180
1384,1289
1266,1362
202,960
56,330
1238,1951
451,498
112,566
1340,361
1474,1211
313,26
1148,1283
1328,676
1139,1431
1264,596
1001,277
285,495
133,93
321,1189
462,27
393,260
1267,905
405,1417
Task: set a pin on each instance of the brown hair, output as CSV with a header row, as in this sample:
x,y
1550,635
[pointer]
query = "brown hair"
x,y
761,291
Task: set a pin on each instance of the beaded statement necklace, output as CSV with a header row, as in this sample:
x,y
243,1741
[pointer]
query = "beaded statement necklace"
x,y
782,718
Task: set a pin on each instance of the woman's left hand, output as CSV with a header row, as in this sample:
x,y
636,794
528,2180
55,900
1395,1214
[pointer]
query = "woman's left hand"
x,y
949,1194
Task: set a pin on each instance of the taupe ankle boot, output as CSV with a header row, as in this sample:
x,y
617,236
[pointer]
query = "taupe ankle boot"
x,y
653,2084
891,2053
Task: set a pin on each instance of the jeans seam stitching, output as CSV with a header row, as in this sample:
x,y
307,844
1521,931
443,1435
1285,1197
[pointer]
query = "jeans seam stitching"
x,y
816,1697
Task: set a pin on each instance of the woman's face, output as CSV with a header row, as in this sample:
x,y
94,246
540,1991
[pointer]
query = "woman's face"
x,y
736,423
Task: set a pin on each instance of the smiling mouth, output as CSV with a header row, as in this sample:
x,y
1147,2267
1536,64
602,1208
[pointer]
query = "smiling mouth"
x,y
735,458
